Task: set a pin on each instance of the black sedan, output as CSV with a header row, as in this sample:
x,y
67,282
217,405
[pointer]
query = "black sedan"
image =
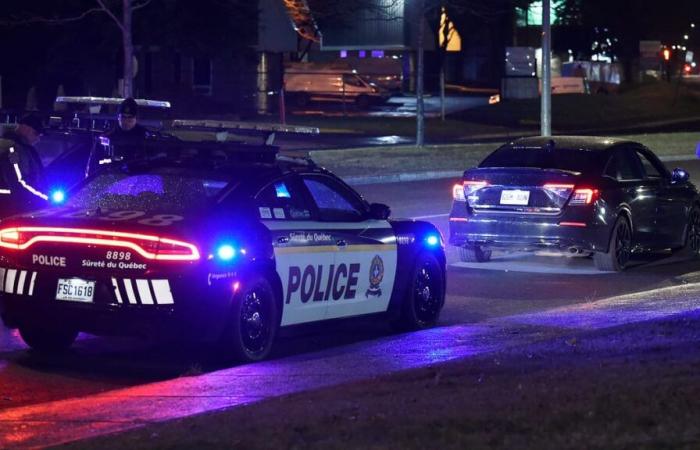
x,y
215,242
604,197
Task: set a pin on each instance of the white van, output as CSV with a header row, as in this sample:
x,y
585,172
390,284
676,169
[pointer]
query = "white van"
x,y
306,84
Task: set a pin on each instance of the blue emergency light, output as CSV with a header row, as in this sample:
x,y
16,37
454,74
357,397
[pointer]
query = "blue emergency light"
x,y
58,196
432,240
226,252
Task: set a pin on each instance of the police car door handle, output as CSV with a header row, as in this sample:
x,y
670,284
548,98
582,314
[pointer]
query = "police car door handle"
x,y
341,243
283,240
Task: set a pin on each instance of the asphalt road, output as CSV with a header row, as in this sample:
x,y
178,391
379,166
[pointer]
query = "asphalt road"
x,y
531,288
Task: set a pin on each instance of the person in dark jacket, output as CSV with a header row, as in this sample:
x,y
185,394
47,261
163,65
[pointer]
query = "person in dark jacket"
x,y
21,169
126,140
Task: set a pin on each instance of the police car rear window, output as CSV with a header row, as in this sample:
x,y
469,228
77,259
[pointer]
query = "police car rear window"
x,y
575,160
153,191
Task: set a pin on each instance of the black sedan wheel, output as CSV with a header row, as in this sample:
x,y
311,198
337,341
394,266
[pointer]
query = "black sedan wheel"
x,y
254,321
47,338
426,295
474,253
692,240
619,249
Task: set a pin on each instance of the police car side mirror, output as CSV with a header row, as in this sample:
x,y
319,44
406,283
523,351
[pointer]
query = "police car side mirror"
x,y
379,211
679,176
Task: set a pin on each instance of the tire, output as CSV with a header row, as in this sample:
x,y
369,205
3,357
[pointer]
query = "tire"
x,y
47,338
254,321
362,102
692,235
619,248
474,253
426,295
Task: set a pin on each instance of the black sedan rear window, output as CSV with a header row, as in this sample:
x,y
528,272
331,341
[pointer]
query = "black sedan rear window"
x,y
173,191
574,160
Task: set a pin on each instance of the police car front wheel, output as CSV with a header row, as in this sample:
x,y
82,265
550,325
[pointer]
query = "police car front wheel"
x,y
426,295
47,337
254,321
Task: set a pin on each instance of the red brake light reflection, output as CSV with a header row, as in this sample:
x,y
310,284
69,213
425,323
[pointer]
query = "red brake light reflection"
x,y
458,193
148,246
471,186
583,196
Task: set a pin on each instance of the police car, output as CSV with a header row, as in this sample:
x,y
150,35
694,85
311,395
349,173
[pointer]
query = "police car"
x,y
215,241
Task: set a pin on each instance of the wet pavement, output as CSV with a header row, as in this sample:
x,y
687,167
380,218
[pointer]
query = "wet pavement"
x,y
106,384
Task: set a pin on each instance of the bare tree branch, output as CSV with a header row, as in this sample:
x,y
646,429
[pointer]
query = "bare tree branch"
x,y
141,5
28,21
110,14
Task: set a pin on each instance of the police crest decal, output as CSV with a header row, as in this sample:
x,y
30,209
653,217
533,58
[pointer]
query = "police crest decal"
x,y
376,275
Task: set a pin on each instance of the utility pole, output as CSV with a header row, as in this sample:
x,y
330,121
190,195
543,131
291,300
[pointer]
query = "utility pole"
x,y
420,107
546,104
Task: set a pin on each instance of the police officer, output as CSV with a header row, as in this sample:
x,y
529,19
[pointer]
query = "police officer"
x,y
21,170
128,138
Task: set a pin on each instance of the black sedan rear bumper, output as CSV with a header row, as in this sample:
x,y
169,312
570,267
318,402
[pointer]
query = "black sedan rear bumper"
x,y
529,233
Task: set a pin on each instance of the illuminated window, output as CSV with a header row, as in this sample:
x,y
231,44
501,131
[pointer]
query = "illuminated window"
x,y
343,53
362,54
532,16
377,53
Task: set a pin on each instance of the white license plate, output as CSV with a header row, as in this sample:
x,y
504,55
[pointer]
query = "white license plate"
x,y
515,197
75,290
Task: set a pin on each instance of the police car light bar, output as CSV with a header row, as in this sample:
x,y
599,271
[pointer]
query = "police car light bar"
x,y
221,125
112,101
148,246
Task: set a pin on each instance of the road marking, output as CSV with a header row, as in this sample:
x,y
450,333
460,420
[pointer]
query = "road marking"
x,y
431,216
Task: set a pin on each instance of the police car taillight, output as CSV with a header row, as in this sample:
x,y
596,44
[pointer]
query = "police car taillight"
x,y
148,246
9,236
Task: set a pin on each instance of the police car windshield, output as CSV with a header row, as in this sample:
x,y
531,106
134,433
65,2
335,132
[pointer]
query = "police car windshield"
x,y
163,189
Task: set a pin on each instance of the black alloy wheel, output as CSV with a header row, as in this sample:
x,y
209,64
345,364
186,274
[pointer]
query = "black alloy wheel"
x,y
424,301
254,323
474,253
693,233
620,249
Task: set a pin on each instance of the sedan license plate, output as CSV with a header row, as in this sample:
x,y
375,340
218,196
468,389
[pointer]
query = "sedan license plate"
x,y
75,290
515,197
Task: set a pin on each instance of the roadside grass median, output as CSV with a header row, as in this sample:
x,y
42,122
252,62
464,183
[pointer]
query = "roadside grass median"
x,y
409,159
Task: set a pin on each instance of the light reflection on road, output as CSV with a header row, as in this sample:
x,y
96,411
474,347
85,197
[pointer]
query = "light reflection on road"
x,y
60,421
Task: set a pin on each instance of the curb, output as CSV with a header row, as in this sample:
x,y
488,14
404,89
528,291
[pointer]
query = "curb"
x,y
403,177
437,175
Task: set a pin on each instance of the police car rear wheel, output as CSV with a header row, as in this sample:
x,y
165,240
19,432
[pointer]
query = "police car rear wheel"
x,y
426,295
47,337
254,322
